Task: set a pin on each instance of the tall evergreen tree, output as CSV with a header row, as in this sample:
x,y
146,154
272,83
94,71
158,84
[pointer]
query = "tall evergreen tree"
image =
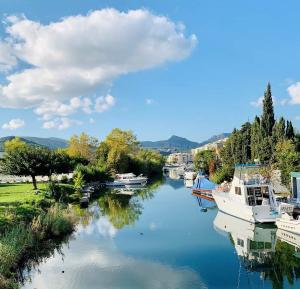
x,y
290,134
279,131
267,119
256,138
245,133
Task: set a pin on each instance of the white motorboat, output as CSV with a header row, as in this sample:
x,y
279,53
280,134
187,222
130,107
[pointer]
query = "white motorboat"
x,y
114,184
289,219
250,196
131,179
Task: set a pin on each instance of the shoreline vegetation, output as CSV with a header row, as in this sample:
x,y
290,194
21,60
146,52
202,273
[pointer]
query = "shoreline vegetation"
x,y
271,142
35,219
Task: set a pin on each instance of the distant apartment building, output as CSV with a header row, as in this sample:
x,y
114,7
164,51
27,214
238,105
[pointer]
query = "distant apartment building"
x,y
180,158
214,146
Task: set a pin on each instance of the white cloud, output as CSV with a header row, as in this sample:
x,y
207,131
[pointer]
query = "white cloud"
x,y
60,123
258,102
104,103
294,92
70,60
13,124
149,101
91,120
297,117
7,59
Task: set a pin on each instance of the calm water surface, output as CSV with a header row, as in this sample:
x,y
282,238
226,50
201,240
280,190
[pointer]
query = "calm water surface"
x,y
162,239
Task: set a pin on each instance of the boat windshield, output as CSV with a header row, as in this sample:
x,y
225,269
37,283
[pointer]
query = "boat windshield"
x,y
250,175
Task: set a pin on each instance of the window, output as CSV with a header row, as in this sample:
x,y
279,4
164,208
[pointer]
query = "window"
x,y
238,190
240,242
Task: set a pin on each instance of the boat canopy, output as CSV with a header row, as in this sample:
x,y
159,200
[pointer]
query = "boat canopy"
x,y
202,183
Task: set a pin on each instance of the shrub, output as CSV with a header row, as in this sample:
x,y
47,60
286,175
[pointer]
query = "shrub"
x,y
224,173
91,173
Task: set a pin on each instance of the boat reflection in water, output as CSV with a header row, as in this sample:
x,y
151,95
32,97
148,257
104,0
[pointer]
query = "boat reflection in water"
x,y
262,248
254,244
205,203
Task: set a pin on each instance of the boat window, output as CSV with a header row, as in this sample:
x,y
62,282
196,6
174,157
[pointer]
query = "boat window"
x,y
240,242
255,196
238,190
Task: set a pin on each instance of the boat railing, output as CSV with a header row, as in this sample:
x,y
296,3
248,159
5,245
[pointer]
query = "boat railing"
x,y
223,188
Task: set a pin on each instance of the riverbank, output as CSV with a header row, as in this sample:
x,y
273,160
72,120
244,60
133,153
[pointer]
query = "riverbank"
x,y
22,242
30,221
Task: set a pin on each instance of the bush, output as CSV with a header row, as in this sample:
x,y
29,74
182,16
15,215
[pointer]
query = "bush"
x,y
60,192
224,173
92,173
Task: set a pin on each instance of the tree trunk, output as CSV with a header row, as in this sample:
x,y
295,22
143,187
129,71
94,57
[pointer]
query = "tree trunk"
x,y
34,182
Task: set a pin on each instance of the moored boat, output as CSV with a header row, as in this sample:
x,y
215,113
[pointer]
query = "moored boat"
x,y
131,179
250,196
203,186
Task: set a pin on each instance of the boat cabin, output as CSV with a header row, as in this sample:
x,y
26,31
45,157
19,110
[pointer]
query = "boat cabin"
x,y
250,186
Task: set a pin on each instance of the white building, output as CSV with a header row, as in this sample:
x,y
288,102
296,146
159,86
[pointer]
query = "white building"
x,y
180,158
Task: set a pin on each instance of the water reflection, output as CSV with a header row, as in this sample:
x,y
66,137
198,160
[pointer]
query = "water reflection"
x,y
264,249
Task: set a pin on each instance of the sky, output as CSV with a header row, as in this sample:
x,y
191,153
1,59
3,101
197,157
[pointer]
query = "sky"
x,y
159,68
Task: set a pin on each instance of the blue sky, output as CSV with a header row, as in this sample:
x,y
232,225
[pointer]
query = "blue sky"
x,y
204,82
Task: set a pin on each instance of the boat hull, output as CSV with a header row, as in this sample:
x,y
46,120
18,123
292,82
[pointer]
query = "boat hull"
x,y
253,214
289,226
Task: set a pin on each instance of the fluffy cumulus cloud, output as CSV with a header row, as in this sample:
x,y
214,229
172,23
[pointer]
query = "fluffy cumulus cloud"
x,y
13,124
68,61
294,92
61,123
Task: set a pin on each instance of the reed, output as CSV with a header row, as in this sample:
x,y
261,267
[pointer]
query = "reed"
x,y
21,242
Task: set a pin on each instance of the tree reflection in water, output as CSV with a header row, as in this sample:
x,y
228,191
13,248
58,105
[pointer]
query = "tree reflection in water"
x,y
123,207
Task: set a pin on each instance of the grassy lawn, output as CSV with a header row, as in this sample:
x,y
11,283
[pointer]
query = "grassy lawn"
x,y
19,193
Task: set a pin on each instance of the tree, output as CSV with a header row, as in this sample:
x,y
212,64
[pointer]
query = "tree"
x,y
256,138
290,134
204,160
267,119
119,145
279,132
287,159
14,144
82,146
28,160
245,134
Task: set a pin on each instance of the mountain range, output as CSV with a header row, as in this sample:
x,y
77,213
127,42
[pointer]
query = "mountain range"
x,y
50,142
173,143
180,143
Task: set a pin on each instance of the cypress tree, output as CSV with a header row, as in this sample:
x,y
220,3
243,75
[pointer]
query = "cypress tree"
x,y
279,131
290,134
256,138
246,142
267,119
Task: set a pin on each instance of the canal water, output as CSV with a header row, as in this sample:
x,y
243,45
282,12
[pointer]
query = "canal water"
x,y
166,238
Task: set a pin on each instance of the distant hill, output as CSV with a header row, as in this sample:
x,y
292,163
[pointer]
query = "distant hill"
x,y
180,143
215,138
51,142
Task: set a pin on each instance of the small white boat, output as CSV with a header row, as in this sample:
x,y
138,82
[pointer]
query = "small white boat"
x,y
114,184
190,175
131,179
250,196
289,218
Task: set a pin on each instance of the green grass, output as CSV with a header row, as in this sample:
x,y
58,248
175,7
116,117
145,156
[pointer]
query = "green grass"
x,y
20,193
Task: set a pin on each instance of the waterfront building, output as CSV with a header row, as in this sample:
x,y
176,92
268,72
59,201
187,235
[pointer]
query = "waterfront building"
x,y
180,158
